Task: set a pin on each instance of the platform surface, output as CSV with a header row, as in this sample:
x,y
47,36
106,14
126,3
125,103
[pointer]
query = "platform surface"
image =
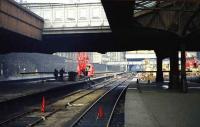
x,y
14,90
161,108
10,91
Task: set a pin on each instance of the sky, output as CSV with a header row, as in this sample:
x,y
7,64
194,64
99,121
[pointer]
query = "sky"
x,y
59,1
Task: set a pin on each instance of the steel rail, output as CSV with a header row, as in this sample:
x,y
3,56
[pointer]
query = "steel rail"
x,y
34,110
87,110
111,115
65,106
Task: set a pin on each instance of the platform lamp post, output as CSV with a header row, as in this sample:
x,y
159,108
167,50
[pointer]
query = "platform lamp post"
x,y
1,70
184,87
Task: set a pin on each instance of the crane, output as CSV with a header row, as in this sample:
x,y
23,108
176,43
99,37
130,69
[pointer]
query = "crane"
x,y
83,62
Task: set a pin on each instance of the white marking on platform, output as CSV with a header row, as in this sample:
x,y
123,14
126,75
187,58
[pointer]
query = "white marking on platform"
x,y
134,79
165,86
194,87
77,105
132,88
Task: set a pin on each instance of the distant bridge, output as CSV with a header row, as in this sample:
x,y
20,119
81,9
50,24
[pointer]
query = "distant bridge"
x,y
71,18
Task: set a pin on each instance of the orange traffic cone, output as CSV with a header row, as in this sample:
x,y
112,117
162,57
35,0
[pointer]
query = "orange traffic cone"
x,y
43,105
100,112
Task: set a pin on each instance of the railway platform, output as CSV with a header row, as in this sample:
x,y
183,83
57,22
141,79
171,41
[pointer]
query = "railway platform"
x,y
69,109
158,107
12,90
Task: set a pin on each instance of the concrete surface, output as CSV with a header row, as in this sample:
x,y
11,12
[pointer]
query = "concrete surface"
x,y
162,108
15,90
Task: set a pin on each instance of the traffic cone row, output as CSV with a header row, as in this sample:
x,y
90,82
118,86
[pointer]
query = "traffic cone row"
x,y
100,112
43,106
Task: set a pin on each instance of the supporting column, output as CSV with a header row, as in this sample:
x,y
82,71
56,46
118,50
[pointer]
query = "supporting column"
x,y
159,73
184,86
128,66
174,71
1,69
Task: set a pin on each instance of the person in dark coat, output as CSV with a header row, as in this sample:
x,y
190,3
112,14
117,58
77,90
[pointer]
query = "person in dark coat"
x,y
62,71
56,74
87,70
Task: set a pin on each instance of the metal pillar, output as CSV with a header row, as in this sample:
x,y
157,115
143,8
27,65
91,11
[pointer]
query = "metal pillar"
x,y
159,73
174,71
127,66
184,87
1,69
106,68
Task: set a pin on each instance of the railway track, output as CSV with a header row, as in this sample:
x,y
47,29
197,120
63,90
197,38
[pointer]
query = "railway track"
x,y
107,103
11,104
34,116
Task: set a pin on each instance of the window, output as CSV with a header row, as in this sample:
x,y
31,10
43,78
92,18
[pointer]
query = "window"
x,y
47,15
96,13
71,14
58,14
83,13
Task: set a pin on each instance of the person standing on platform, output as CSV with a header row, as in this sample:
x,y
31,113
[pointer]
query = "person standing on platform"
x,y
56,74
87,70
62,74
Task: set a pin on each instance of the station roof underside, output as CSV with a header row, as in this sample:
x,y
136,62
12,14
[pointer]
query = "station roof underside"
x,y
120,39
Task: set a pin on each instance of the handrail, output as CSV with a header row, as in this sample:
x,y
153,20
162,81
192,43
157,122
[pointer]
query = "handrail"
x,y
162,71
24,73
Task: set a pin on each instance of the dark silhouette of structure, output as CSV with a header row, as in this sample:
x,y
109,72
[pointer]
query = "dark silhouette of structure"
x,y
62,71
56,74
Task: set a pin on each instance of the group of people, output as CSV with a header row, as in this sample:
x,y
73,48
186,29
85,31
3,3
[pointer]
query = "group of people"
x,y
61,73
